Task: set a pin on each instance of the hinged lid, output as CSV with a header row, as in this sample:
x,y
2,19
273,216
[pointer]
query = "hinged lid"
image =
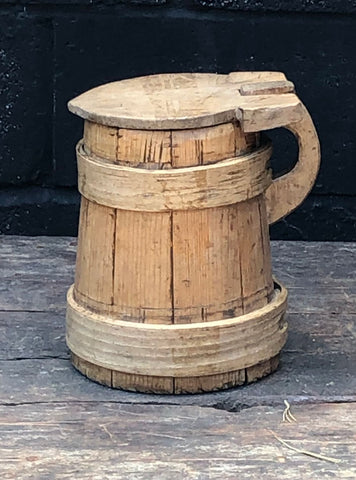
x,y
259,100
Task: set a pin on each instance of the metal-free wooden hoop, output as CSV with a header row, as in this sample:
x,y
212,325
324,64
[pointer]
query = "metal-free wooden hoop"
x,y
205,186
178,350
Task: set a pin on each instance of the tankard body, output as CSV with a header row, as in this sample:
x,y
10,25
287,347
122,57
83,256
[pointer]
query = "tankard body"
x,y
174,290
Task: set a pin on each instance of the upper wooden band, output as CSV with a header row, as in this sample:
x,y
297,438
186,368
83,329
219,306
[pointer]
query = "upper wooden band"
x,y
223,183
177,350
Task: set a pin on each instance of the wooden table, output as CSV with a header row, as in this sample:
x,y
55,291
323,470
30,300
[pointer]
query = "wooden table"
x,y
56,424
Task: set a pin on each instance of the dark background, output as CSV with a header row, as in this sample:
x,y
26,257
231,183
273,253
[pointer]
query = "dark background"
x,y
50,51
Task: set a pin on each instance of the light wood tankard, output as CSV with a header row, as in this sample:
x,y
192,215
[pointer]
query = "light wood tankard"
x,y
173,290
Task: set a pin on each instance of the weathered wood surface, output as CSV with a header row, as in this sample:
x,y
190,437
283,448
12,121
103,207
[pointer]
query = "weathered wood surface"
x,y
106,440
288,191
227,182
256,100
52,417
178,350
189,100
190,250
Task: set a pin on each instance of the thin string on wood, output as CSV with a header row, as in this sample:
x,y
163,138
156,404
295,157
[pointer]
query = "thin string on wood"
x,y
306,452
287,414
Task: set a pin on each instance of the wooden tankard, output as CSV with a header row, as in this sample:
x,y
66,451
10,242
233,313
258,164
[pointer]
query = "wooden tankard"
x,y
173,290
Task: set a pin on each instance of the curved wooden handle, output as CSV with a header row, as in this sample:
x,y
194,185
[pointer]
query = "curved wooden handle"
x,y
289,190
271,104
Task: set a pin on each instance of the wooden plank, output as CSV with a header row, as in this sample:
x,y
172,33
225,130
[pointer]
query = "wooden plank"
x,y
165,442
94,276
317,363
144,148
322,345
254,254
157,149
205,145
266,88
210,383
264,112
101,140
324,264
142,283
131,147
320,277
205,242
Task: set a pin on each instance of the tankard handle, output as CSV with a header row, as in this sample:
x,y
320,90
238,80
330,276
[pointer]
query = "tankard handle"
x,y
285,110
288,191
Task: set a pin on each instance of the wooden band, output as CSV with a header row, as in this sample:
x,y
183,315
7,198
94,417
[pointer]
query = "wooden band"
x,y
222,183
178,350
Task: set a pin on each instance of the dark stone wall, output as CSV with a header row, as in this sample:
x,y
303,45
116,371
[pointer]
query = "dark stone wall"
x,y
50,51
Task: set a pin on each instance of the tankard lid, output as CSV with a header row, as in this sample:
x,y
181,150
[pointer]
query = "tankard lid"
x,y
184,100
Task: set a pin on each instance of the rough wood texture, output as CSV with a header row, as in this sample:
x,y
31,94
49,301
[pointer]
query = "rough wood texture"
x,y
159,149
202,265
178,350
288,191
187,100
266,88
208,258
226,182
208,277
143,242
174,385
143,267
56,423
111,441
94,278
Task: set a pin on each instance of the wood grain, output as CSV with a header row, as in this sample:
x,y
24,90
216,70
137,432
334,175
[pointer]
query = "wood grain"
x,y
101,140
206,260
215,271
255,257
174,385
187,100
150,441
288,191
267,87
128,147
178,350
198,299
94,269
226,182
203,146
142,265
208,246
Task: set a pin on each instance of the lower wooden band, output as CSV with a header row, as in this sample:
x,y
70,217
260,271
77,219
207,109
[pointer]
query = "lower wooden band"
x,y
171,385
184,350
205,186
